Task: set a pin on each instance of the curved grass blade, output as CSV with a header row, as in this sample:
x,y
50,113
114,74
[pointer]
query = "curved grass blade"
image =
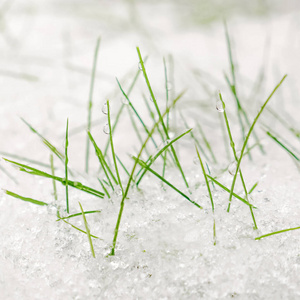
x,y
87,230
33,201
247,138
74,184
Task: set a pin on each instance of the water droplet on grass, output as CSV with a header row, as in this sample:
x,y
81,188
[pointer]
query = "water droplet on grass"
x,y
219,106
232,168
104,108
125,101
106,129
140,66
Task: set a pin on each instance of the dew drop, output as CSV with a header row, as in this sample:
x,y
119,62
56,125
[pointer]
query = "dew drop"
x,y
106,129
219,106
125,101
104,108
232,168
196,160
140,66
150,98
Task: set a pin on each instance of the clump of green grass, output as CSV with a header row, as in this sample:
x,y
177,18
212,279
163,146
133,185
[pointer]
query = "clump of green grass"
x,y
110,164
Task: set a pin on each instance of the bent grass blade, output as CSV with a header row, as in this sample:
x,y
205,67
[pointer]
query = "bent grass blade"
x,y
247,138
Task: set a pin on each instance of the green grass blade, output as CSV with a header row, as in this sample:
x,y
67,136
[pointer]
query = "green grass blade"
x,y
112,148
122,165
206,181
236,158
87,230
144,165
79,214
93,236
33,201
160,117
247,138
66,167
253,187
228,191
160,152
122,107
74,184
207,144
90,103
102,161
135,112
46,142
104,188
282,145
276,232
32,161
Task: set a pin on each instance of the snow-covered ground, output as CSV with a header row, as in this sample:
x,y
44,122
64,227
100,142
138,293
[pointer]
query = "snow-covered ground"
x,y
165,247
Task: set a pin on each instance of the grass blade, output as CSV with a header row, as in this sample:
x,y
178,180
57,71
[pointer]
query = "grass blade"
x,y
74,184
87,230
160,152
33,201
66,167
79,214
276,232
46,142
283,146
247,138
236,158
210,195
112,148
90,104
160,116
144,165
93,236
102,161
228,191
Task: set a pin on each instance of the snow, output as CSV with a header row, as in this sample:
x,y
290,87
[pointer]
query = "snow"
x,y
165,245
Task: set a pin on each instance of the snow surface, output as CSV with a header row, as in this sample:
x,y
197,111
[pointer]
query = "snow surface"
x,y
165,246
